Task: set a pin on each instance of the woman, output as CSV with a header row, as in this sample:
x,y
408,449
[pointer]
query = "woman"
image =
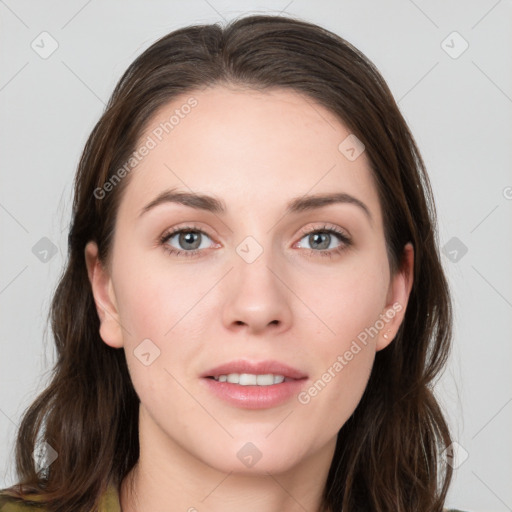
x,y
255,372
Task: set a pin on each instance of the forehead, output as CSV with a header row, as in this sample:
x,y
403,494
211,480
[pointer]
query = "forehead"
x,y
249,148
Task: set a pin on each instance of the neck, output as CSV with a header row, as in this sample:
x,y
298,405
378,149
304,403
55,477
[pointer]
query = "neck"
x,y
173,475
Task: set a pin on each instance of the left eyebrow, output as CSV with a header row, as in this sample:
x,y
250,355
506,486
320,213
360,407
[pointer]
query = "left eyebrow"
x,y
216,205
313,202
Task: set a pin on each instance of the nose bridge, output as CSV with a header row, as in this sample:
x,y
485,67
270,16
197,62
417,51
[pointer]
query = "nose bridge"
x,y
254,263
258,298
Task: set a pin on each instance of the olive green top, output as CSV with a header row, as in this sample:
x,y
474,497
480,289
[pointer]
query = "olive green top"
x,y
109,502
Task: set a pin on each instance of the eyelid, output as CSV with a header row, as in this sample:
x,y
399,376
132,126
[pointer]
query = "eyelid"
x,y
345,238
326,226
306,230
169,233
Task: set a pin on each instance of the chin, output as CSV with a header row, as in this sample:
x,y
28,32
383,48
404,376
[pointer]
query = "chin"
x,y
255,456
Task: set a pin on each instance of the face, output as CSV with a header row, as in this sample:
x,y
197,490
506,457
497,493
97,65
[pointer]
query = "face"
x,y
301,283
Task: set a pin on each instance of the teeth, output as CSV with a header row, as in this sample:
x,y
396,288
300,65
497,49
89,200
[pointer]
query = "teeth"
x,y
249,379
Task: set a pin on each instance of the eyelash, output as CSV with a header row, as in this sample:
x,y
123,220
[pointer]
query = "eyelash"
x,y
346,242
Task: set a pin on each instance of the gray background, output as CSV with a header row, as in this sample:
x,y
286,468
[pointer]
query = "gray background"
x,y
459,108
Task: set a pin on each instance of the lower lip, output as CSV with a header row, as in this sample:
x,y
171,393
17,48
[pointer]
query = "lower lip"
x,y
254,397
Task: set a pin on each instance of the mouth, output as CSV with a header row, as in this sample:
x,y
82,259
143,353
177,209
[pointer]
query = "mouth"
x,y
254,385
254,373
251,379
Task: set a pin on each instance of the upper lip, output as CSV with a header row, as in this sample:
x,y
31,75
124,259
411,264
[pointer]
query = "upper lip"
x,y
255,367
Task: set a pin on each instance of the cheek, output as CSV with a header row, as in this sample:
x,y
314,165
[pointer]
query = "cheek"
x,y
343,362
166,305
338,387
158,339
347,310
342,301
156,298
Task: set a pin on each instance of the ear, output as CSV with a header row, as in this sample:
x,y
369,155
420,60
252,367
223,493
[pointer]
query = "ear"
x,y
398,297
104,298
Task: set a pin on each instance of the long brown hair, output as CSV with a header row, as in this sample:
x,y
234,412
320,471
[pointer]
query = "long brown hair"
x,y
388,454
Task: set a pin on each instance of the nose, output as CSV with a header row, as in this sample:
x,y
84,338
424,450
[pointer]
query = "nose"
x,y
256,297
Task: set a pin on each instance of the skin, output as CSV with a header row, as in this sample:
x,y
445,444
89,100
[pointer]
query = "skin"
x,y
255,151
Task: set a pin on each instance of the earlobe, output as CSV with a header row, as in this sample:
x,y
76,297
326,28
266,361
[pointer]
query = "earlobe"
x,y
104,298
398,297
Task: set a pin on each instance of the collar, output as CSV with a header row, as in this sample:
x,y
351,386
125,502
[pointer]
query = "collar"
x,y
109,500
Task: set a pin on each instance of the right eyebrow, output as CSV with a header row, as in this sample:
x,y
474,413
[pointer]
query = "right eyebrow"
x,y
191,199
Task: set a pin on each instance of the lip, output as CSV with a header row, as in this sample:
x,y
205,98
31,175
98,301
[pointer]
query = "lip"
x,y
255,367
255,397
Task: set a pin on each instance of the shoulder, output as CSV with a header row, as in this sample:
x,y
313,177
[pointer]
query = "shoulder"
x,y
109,502
8,504
10,501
